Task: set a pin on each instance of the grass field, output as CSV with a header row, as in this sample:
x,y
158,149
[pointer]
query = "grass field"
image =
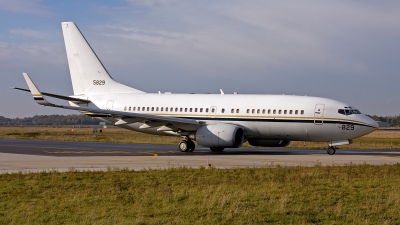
x,y
351,194
361,194
375,140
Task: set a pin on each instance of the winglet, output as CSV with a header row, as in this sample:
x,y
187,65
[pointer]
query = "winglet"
x,y
37,95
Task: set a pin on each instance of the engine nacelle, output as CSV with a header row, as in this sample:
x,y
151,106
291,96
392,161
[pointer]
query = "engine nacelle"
x,y
219,135
269,143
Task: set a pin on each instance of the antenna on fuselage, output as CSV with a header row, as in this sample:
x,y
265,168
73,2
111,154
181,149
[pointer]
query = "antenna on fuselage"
x,y
222,92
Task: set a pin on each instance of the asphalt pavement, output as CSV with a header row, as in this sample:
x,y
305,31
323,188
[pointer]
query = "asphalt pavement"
x,y
37,155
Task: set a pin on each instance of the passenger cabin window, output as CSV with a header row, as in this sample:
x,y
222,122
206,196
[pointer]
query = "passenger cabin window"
x,y
201,109
181,109
248,110
125,108
232,110
302,112
252,111
258,111
190,110
206,110
263,112
274,111
152,108
291,111
285,111
185,109
134,108
212,110
222,110
195,109
269,111
280,111
296,112
162,109
237,110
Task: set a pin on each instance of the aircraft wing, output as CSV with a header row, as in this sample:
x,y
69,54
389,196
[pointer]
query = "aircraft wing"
x,y
168,123
76,100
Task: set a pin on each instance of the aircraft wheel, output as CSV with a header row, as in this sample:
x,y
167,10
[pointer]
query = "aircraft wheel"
x,y
191,145
183,146
331,150
217,149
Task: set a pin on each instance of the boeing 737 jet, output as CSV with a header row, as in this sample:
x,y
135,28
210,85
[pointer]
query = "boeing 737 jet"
x,y
216,121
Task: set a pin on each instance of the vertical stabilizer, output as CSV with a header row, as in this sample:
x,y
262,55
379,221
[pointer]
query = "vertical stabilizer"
x,y
88,74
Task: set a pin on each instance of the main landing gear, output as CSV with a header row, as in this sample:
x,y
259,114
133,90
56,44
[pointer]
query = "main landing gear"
x,y
331,150
186,145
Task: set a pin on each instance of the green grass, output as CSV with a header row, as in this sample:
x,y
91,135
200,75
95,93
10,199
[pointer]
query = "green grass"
x,y
352,194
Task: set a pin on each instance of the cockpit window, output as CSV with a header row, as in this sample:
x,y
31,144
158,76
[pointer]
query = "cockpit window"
x,y
349,111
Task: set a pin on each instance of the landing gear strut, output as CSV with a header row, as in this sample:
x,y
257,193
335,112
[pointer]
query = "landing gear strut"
x,y
186,145
331,150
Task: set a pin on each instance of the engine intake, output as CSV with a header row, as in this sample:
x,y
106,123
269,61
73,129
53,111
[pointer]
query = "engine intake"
x,y
219,135
269,143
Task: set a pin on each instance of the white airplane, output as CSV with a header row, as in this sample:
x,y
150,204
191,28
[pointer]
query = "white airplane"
x,y
217,121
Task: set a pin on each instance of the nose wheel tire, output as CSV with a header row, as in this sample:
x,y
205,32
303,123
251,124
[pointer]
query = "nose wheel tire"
x,y
186,146
331,150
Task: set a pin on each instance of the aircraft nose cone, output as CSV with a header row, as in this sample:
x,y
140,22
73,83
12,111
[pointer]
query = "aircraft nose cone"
x,y
376,125
373,123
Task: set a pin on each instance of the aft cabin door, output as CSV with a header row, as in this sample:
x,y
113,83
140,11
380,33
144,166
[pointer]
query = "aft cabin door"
x,y
110,105
319,114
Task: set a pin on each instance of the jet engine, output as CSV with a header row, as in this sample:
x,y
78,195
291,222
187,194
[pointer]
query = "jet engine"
x,y
219,135
269,143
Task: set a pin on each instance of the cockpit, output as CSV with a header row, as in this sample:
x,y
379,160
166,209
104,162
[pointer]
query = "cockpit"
x,y
348,111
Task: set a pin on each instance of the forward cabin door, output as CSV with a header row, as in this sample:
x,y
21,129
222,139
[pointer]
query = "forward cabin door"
x,y
110,105
319,114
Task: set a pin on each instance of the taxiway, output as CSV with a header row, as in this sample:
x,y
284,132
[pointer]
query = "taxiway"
x,y
37,156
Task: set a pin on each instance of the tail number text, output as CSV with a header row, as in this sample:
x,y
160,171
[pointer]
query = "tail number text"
x,y
99,82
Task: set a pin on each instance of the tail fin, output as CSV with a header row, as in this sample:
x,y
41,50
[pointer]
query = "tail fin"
x,y
88,74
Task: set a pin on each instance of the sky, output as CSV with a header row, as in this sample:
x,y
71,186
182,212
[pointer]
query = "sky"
x,y
344,50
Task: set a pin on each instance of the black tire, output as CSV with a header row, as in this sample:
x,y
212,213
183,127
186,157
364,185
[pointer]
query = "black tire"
x,y
192,146
331,151
183,146
217,149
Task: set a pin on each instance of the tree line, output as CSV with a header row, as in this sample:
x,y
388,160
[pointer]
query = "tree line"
x,y
49,120
393,120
